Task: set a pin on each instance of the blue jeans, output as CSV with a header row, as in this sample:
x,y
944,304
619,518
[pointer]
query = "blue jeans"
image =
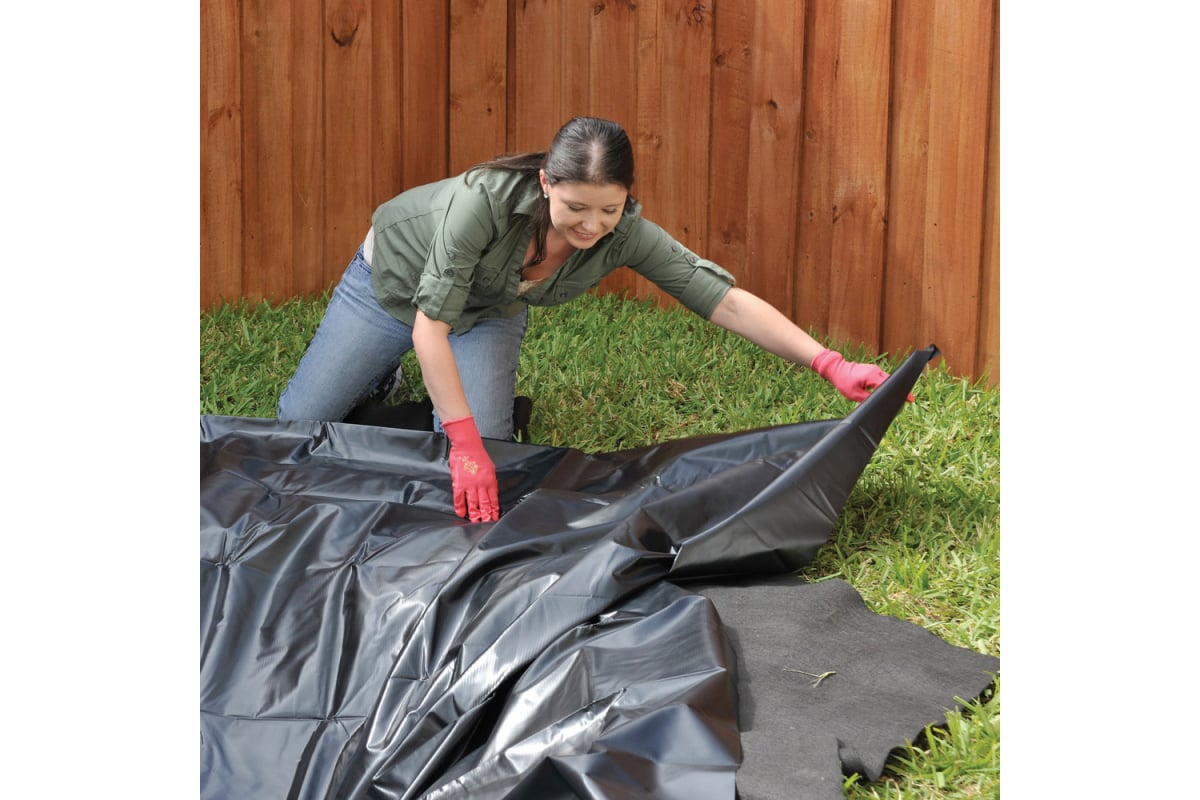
x,y
358,345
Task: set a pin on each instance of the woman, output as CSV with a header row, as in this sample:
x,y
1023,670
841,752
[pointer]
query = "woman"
x,y
449,270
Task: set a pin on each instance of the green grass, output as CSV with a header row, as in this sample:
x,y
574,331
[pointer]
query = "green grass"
x,y
919,537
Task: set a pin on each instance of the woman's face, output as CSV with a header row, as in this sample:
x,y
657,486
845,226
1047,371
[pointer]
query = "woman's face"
x,y
584,212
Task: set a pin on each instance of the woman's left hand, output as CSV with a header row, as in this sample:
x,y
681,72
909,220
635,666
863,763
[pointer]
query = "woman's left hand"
x,y
852,379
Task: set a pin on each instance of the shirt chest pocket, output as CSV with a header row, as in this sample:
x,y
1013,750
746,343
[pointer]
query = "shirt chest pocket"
x,y
494,280
567,288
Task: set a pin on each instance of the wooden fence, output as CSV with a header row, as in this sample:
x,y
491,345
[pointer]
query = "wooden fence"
x,y
840,157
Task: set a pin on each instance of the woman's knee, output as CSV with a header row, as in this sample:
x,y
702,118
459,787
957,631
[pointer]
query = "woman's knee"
x,y
495,419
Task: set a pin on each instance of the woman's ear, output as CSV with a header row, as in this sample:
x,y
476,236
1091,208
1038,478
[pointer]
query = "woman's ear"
x,y
544,182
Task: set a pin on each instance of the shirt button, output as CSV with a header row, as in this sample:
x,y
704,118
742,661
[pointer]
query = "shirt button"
x,y
449,272
562,295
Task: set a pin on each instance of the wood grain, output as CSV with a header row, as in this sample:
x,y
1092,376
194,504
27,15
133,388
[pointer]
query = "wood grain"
x,y
478,81
840,157
424,114
844,170
267,148
221,161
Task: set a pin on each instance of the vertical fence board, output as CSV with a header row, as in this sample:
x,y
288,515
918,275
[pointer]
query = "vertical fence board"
x,y
576,66
221,162
348,204
310,272
424,120
613,62
537,78
908,178
958,127
387,134
988,357
685,46
860,174
478,81
814,237
845,171
267,147
730,204
776,105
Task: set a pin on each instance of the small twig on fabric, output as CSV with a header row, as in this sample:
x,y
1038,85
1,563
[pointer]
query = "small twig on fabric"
x,y
819,678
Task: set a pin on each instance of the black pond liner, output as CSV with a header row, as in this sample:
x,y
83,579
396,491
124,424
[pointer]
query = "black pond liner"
x,y
629,628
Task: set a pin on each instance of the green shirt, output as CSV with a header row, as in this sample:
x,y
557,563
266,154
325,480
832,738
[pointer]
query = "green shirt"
x,y
455,251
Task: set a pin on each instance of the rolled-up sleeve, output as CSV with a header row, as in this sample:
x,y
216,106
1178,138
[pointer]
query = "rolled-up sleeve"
x,y
697,283
464,232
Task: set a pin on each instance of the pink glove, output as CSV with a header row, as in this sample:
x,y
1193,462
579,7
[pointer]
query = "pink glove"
x,y
852,379
472,473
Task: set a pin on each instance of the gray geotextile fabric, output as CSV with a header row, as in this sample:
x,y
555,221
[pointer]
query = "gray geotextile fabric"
x,y
885,680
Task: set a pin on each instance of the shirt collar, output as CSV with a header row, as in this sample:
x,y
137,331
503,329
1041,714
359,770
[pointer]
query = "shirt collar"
x,y
528,202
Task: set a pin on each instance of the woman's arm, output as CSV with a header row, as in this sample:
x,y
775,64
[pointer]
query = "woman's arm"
x,y
757,320
761,323
439,370
472,473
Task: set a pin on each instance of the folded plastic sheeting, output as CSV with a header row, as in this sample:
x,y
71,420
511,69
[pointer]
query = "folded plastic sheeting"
x,y
358,640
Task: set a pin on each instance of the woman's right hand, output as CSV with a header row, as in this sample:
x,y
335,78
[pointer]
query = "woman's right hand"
x,y
472,473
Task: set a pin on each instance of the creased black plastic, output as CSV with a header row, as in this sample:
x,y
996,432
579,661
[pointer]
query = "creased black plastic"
x,y
359,640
